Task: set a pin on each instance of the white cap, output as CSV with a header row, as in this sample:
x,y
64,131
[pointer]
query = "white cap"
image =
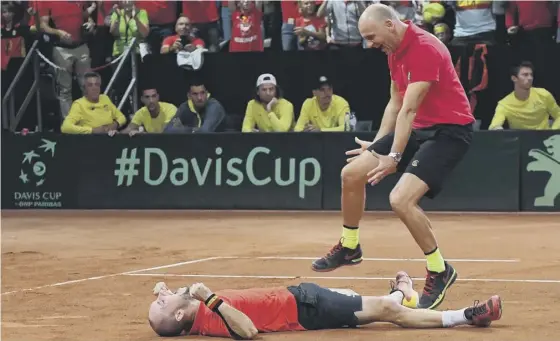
x,y
266,78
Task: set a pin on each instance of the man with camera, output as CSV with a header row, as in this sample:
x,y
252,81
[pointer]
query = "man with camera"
x,y
184,40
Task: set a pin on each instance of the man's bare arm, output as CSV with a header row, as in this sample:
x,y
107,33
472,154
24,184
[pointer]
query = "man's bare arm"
x,y
390,115
238,322
413,97
45,27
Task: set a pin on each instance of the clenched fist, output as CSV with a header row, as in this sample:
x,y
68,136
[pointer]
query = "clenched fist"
x,y
200,292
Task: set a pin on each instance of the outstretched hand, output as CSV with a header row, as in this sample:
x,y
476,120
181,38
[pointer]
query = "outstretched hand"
x,y
364,145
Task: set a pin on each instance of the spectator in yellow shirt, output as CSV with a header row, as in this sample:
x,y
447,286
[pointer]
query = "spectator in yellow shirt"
x,y
324,111
268,112
526,107
94,113
154,116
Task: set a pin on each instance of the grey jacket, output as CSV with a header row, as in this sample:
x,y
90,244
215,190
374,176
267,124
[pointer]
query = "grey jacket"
x,y
209,120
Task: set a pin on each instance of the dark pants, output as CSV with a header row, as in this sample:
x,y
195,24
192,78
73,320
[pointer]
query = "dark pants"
x,y
321,308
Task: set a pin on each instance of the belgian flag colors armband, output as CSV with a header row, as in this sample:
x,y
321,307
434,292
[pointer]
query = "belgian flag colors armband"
x,y
213,302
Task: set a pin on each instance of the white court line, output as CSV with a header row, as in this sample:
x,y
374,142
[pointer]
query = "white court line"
x,y
345,278
456,260
112,275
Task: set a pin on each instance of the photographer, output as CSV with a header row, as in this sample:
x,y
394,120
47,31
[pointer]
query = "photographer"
x,y
185,40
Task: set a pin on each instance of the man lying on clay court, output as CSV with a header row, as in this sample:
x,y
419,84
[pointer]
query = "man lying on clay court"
x,y
242,314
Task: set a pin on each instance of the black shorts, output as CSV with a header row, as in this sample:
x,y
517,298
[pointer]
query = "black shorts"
x,y
431,153
321,308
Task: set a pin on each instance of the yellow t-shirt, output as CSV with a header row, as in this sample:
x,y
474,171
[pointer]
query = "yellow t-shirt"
x,y
280,119
533,113
331,119
85,115
154,125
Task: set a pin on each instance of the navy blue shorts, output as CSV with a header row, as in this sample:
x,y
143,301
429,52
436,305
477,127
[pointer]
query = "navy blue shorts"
x,y
321,308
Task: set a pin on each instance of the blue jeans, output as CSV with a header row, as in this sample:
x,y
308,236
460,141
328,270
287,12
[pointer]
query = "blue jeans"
x,y
226,22
289,39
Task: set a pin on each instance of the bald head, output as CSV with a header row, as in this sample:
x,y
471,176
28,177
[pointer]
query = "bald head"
x,y
162,323
379,13
381,27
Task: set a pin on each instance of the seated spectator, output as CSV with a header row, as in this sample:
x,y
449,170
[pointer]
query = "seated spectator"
x,y
200,114
526,107
204,17
246,31
153,117
184,40
324,111
268,112
94,113
310,29
342,20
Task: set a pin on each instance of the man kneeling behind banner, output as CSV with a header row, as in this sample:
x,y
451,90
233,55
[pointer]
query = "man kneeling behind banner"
x,y
242,314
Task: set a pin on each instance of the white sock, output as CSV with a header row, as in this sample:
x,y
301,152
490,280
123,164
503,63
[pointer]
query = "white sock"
x,y
397,296
454,318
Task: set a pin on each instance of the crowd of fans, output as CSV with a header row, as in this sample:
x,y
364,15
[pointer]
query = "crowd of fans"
x,y
83,35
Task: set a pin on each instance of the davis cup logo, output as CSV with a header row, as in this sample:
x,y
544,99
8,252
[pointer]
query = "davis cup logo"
x,y
33,175
33,168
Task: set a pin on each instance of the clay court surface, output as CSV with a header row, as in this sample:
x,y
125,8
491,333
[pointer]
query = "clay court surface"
x,y
115,258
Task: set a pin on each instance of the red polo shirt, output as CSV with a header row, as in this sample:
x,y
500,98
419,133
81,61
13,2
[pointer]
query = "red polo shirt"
x,y
66,15
421,57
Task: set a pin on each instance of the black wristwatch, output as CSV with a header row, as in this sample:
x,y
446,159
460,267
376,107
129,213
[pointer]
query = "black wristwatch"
x,y
396,156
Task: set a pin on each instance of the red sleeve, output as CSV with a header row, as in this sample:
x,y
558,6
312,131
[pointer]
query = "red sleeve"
x,y
208,323
198,42
168,41
299,22
424,65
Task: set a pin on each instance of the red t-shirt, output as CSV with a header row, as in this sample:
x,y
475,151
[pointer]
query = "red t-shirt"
x,y
200,12
532,14
313,24
246,33
422,57
160,12
168,41
270,309
66,15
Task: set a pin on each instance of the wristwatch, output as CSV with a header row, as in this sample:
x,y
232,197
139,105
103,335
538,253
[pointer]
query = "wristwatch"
x,y
396,156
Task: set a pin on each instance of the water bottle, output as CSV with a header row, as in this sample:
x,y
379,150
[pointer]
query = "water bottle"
x,y
347,122
353,120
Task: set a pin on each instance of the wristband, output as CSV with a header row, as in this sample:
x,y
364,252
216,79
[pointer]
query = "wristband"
x,y
213,302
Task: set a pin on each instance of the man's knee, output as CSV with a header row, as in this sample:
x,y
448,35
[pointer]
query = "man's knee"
x,y
400,200
355,172
390,309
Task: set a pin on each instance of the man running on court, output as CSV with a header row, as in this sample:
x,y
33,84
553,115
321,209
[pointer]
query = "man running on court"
x,y
425,132
242,314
